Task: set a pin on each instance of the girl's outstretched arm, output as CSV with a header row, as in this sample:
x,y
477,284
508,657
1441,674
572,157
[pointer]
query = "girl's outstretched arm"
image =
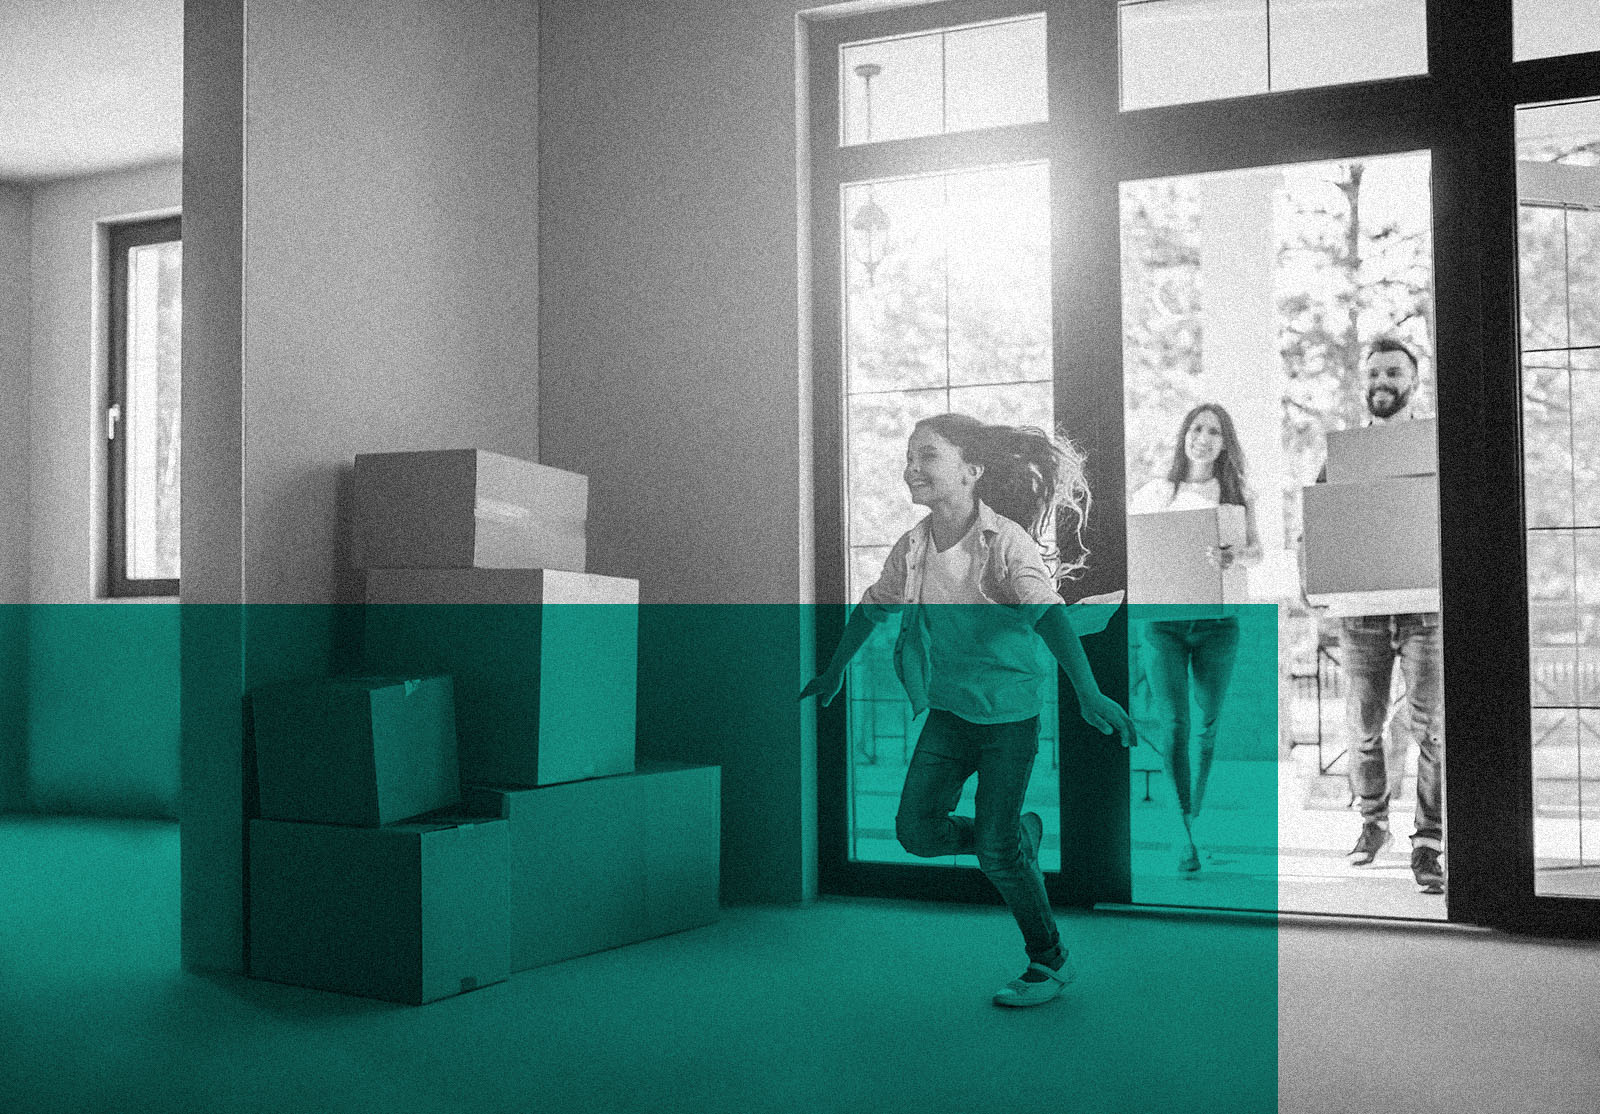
x,y
887,594
1099,710
856,632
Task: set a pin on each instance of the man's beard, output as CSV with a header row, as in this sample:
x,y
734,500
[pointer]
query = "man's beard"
x,y
1386,402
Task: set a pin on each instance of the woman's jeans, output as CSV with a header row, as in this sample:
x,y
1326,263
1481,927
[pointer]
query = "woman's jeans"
x,y
948,752
1173,651
1368,647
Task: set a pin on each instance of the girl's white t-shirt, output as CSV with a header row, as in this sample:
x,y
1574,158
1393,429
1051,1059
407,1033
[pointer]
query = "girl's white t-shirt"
x,y
1157,496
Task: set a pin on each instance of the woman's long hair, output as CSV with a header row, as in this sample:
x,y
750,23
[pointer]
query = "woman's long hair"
x,y
1229,468
1028,476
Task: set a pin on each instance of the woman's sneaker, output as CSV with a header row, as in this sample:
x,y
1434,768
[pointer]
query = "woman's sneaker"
x,y
1374,838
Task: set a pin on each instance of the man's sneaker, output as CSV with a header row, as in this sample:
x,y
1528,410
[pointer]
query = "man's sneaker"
x,y
1032,837
1374,838
1427,871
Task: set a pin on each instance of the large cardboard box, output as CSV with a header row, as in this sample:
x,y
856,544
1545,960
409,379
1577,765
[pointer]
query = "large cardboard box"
x,y
1372,548
467,508
1167,563
545,664
1405,448
355,750
610,861
409,913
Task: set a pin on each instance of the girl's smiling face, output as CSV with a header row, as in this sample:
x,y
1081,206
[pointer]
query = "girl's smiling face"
x,y
935,472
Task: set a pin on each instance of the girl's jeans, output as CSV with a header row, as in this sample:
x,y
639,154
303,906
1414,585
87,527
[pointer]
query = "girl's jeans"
x,y
949,750
1172,651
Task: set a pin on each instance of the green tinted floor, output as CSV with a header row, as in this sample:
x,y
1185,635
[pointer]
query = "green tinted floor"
x,y
842,1005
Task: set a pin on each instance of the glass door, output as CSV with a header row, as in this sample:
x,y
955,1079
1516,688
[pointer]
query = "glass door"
x,y
1285,644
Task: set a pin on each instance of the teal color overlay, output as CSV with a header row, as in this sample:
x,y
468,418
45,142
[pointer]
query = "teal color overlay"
x,y
719,685
1237,829
101,691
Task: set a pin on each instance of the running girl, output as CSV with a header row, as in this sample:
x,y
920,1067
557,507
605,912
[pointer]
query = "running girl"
x,y
978,670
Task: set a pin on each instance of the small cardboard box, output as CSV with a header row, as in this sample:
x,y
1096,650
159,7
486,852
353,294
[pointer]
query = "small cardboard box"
x,y
409,913
1406,448
610,861
467,508
355,750
545,664
1372,548
1167,563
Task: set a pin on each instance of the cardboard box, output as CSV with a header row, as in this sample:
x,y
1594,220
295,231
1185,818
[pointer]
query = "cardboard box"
x,y
355,750
409,913
1372,548
467,508
1167,563
545,664
1405,448
610,861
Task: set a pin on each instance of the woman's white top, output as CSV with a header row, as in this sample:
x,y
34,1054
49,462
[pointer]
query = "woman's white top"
x,y
1157,495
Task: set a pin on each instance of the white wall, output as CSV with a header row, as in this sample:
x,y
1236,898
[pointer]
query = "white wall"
x,y
671,376
102,707
369,234
391,258
16,256
67,469
15,259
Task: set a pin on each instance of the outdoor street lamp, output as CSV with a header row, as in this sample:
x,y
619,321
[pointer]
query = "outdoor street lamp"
x,y
870,223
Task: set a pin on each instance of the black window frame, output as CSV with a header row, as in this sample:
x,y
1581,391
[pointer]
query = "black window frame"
x,y
1462,111
120,238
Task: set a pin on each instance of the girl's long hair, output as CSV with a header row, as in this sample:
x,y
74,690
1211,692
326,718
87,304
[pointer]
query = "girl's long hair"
x,y
1028,476
1229,468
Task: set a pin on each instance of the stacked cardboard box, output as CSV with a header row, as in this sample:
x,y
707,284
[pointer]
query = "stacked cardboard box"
x,y
1372,530
352,887
476,568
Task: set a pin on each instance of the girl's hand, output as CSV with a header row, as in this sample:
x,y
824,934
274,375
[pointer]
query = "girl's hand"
x,y
825,684
1104,714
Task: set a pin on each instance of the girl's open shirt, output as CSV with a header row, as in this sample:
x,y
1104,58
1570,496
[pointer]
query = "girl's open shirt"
x,y
1009,571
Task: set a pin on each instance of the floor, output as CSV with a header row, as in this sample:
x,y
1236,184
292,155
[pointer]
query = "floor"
x,y
1273,836
839,1005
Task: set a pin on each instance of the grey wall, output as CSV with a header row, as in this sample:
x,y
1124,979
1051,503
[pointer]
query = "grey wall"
x,y
102,682
391,257
670,358
15,260
67,468
373,287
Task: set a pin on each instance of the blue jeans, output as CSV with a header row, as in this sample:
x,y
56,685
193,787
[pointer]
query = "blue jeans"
x,y
1173,651
949,751
1369,645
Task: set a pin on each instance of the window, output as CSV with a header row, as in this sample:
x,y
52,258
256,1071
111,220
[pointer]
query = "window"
x,y
143,417
951,80
1182,51
1558,187
1550,28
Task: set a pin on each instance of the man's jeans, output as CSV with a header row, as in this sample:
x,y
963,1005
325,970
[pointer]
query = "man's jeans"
x,y
1173,651
1369,646
948,752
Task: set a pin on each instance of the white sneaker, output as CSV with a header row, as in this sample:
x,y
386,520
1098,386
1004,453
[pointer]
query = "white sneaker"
x,y
1021,992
